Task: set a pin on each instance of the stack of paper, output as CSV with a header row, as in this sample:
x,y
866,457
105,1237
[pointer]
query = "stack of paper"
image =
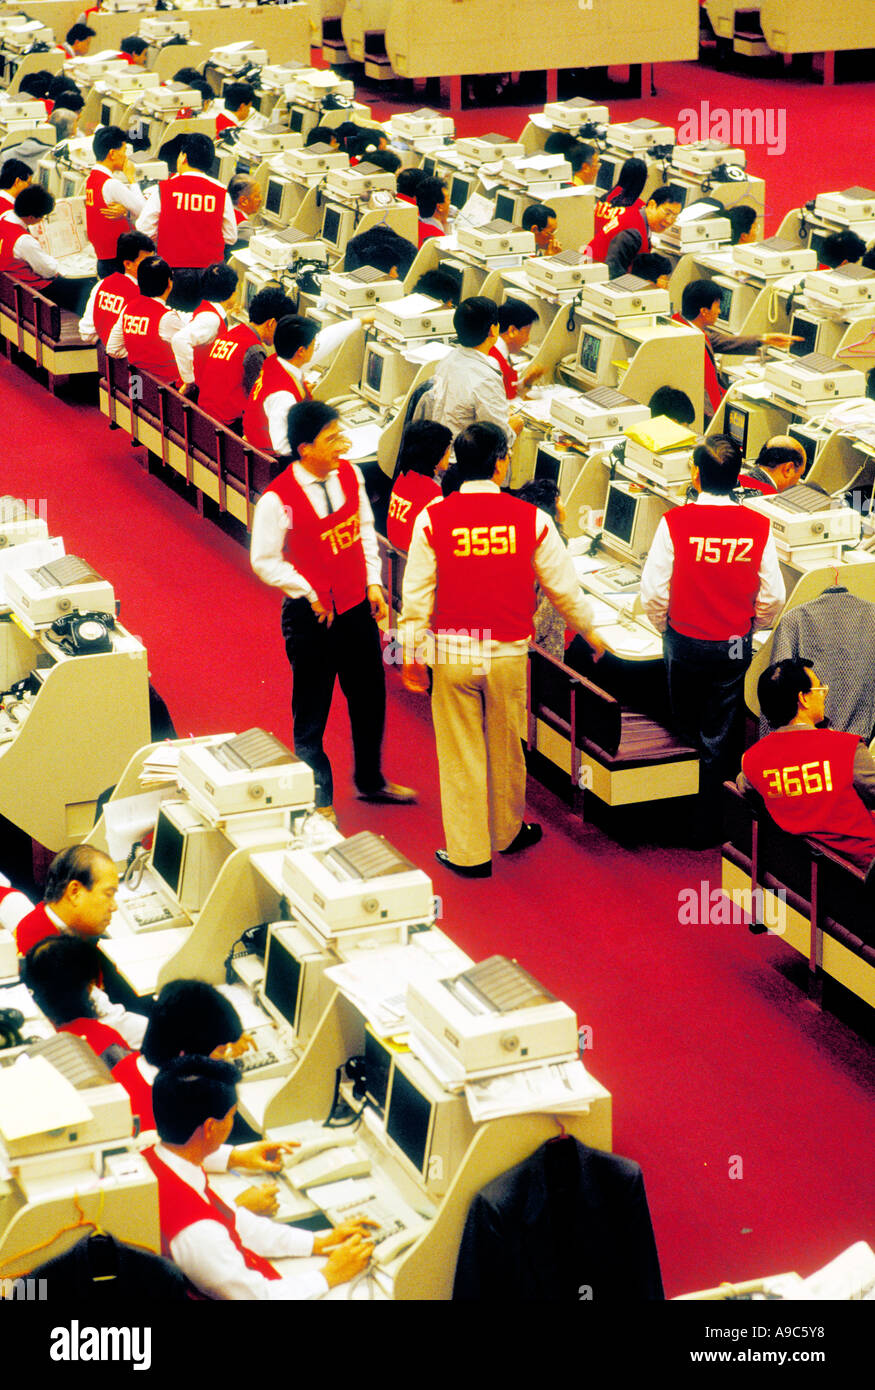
x,y
554,1087
161,766
376,982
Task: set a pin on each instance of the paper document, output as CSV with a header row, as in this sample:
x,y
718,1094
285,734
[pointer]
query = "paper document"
x,y
364,440
35,1098
127,820
556,1086
376,982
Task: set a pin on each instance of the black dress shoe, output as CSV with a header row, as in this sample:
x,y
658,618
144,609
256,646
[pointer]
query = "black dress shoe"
x,y
464,870
526,836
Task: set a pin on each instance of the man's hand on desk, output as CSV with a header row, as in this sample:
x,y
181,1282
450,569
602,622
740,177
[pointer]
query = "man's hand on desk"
x,y
531,374
261,1200
264,1156
346,1260
346,1231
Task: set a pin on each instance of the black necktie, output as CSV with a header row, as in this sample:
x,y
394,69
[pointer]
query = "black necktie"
x,y
328,502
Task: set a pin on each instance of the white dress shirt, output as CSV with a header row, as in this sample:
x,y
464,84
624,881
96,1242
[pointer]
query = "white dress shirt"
x,y
552,567
147,222
87,330
201,329
467,387
270,524
658,569
278,404
28,249
208,1257
171,323
118,190
132,1027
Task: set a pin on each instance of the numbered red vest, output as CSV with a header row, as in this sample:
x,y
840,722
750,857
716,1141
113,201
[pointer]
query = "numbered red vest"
x,y
179,1206
36,926
202,350
190,220
508,374
806,778
713,389
103,232
609,219
219,374
411,492
144,345
715,581
327,551
121,1059
113,294
272,378
10,263
484,544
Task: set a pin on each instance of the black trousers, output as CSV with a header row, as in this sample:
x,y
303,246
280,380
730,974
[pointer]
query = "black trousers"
x,y
105,268
350,651
706,689
69,294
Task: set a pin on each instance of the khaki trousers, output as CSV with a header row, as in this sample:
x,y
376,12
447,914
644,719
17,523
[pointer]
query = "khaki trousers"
x,y
478,717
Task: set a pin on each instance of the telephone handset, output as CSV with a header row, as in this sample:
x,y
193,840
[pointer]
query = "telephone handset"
x,y
84,634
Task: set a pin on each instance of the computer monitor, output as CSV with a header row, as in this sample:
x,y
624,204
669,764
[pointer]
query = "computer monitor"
x,y
428,1129
559,466
509,207
809,440
167,850
631,518
282,198
187,854
428,167
606,178
595,351
337,225
107,113
806,327
378,1068
460,190
385,376
736,302
296,120
815,244
409,1118
71,185
295,990
253,283
735,424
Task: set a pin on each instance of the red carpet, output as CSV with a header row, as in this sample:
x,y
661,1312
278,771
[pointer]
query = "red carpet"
x,y
750,1113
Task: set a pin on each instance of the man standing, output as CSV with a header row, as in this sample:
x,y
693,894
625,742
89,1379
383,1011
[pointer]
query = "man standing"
x,y
470,580
313,537
190,216
711,577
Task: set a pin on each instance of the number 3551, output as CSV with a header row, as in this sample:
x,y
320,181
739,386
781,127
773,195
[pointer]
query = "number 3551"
x,y
484,540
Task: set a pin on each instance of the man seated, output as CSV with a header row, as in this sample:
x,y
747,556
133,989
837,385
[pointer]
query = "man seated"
x,y
14,176
668,400
467,386
433,204
406,184
145,329
841,248
584,160
541,222
661,211
280,384
191,345
700,308
236,355
134,49
246,200
66,110
440,285
814,781
226,1254
780,464
110,295
22,256
238,97
77,42
515,319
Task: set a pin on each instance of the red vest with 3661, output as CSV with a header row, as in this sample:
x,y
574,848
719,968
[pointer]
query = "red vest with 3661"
x,y
273,377
113,294
179,1206
190,221
13,265
806,778
103,232
410,493
483,545
219,374
609,220
327,551
715,580
145,347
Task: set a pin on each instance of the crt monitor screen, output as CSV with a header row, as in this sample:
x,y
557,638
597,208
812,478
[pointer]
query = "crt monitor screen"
x,y
547,466
378,1064
428,168
274,197
296,121
620,515
331,226
374,363
106,114
805,328
167,848
460,190
726,296
505,208
605,179
590,351
816,244
408,1119
736,426
282,980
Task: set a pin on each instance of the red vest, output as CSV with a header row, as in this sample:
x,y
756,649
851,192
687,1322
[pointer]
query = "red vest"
x,y
103,232
713,389
144,346
327,551
202,351
509,376
715,580
10,263
272,378
750,484
410,493
121,1059
190,220
806,778
219,374
179,1206
484,544
14,906
426,231
36,926
113,294
225,122
609,219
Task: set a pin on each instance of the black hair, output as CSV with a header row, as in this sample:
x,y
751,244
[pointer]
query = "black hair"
x,y
153,276
13,170
430,193
78,32
779,688
559,142
134,45
188,75
536,215
186,293
630,182
478,450
383,256
68,101
270,303
189,1016
741,219
408,181
719,464
667,193
322,135
201,85
580,154
360,249
649,265
36,84
129,246
384,159
440,285
34,201
292,333
188,1092
200,152
237,94
773,455
109,137
842,246
218,282
423,445
515,313
668,400
308,419
59,972
238,186
699,295
61,83
473,320
77,864
543,493
451,481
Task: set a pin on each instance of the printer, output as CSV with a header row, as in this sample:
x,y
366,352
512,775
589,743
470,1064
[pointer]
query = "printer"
x,y
313,162
363,884
417,125
312,86
62,586
269,139
571,115
231,57
251,771
157,30
844,288
642,134
90,1107
814,379
279,250
852,205
359,182
803,515
489,149
626,295
361,288
20,523
775,256
567,270
21,115
169,98
496,238
492,1018
414,316
538,171
596,414
695,234
705,155
130,79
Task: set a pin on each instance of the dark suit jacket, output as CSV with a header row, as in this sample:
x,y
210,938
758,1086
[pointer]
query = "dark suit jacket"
x,y
568,1223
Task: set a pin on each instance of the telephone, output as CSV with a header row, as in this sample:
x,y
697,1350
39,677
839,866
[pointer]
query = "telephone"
x,y
84,634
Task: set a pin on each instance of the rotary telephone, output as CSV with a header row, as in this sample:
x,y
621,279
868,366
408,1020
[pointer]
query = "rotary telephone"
x,y
84,634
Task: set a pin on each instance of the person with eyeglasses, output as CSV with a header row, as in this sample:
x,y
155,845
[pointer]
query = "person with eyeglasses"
x,y
814,781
